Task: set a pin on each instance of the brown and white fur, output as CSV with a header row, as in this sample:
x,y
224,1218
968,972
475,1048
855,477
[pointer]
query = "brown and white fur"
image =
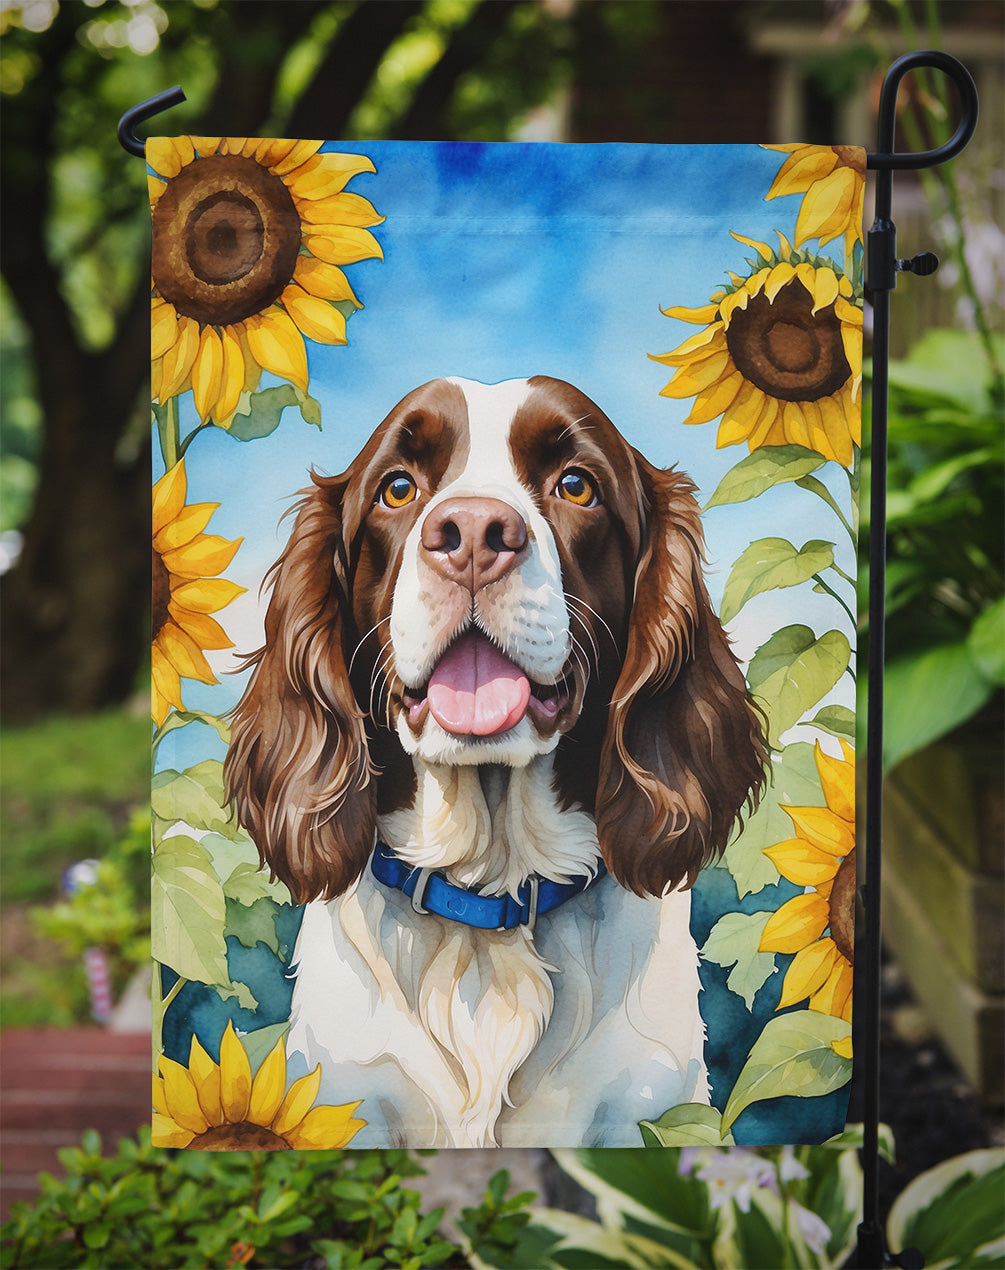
x,y
638,744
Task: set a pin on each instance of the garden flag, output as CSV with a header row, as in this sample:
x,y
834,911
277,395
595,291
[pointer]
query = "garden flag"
x,y
504,520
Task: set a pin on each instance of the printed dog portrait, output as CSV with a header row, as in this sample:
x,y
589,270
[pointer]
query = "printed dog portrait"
x,y
493,734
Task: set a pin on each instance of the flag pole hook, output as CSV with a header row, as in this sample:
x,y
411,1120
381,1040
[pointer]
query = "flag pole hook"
x,y
145,110
882,267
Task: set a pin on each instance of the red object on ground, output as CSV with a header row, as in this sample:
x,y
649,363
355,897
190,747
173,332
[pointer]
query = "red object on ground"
x,y
57,1082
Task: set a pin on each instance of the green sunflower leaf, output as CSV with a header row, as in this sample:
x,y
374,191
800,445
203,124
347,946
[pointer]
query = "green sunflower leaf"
x,y
837,720
793,1056
253,923
767,466
259,413
195,796
793,670
733,941
188,911
768,565
689,1124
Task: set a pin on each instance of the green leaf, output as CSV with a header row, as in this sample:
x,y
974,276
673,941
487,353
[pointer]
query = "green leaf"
x,y
187,912
953,1213
767,466
250,882
793,1056
246,999
181,718
688,1124
769,564
793,670
228,854
259,413
793,780
945,365
196,797
252,923
927,694
986,642
261,1042
733,941
837,720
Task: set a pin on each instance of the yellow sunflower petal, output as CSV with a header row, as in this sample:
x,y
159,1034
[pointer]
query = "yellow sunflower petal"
x,y
801,862
177,361
203,630
325,281
232,375
164,1132
238,145
743,416
762,427
206,595
202,558
206,1077
340,209
298,1101
277,345
317,319
325,1128
169,496
270,150
737,300
762,249
207,373
826,289
165,686
268,1086
341,244
698,375
168,155
823,828
155,188
206,146
780,275
836,426
187,525
797,923
835,995
159,1099
702,344
180,1096
235,1077
703,314
163,327
184,653
826,208
716,400
837,780
843,1047
327,174
800,170
818,434
796,429
809,971
299,153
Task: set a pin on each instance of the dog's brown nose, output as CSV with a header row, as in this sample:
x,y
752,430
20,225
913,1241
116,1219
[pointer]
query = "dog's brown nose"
x,y
473,541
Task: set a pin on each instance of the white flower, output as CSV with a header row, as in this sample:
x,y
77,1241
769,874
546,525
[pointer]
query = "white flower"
x,y
732,1175
813,1229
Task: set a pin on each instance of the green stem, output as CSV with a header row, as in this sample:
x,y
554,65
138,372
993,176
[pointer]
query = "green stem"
x,y
159,1007
820,489
183,448
831,592
167,426
841,574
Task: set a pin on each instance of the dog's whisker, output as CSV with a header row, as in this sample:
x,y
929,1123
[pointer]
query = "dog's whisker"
x,y
589,635
361,642
575,599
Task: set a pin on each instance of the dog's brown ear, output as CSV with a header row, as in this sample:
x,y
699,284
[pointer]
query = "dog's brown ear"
x,y
684,749
297,768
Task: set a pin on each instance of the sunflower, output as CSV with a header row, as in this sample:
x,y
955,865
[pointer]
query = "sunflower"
x,y
833,180
821,857
221,1107
185,590
780,358
248,237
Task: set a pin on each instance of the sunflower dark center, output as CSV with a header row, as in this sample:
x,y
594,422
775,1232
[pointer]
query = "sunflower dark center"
x,y
226,239
786,349
239,1137
161,593
841,907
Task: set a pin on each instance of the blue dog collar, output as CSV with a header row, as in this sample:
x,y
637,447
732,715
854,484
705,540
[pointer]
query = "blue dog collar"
x,y
430,892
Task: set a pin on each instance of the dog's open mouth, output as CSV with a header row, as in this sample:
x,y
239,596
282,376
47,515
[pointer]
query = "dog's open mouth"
x,y
476,690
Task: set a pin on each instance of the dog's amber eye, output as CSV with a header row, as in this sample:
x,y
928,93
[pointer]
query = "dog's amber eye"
x,y
576,487
398,490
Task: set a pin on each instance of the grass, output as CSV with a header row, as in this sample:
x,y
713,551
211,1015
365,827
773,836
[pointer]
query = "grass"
x,y
68,788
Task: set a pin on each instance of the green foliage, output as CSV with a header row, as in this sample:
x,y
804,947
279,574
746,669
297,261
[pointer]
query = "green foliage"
x,y
68,787
945,617
953,1214
346,1210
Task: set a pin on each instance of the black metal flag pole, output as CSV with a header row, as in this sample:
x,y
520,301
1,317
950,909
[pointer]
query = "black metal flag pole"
x,y
882,267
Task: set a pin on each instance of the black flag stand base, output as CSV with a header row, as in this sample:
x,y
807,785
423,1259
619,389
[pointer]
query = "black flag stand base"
x,y
882,267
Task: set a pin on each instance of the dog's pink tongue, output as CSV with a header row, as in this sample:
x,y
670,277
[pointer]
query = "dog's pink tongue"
x,y
476,690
